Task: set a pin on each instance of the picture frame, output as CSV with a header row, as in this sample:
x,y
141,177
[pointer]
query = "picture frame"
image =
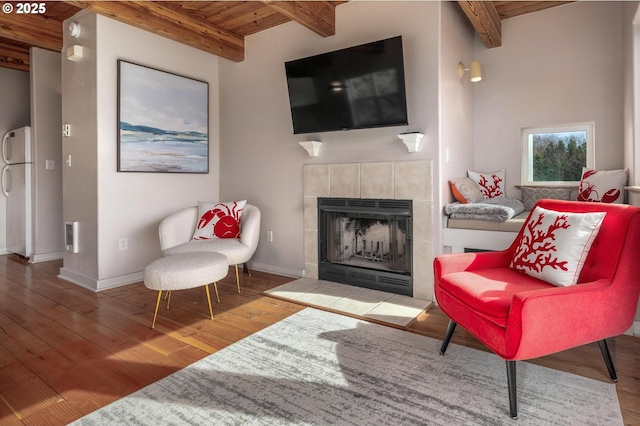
x,y
163,121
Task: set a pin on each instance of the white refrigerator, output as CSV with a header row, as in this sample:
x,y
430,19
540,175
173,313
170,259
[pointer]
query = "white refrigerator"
x,y
17,187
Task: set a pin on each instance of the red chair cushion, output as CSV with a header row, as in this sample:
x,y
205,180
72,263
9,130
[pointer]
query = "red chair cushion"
x,y
489,292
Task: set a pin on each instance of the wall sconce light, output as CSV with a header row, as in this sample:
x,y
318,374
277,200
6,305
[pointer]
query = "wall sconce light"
x,y
74,29
474,70
312,147
74,53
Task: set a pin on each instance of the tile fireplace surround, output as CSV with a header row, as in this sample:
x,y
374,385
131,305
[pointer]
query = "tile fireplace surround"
x,y
399,180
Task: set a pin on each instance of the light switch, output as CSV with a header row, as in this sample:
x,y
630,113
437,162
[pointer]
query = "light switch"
x,y
50,164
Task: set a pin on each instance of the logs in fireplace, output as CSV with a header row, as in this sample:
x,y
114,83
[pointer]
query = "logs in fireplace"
x,y
366,242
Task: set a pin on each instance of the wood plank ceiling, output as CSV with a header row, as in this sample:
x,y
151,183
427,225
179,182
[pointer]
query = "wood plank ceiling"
x,y
217,27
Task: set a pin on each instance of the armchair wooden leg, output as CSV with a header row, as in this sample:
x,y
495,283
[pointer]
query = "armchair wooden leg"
x,y
447,337
168,298
245,269
511,383
604,348
237,279
206,289
155,313
215,287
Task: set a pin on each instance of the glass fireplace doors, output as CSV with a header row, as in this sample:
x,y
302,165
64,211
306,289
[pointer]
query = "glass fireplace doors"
x,y
366,242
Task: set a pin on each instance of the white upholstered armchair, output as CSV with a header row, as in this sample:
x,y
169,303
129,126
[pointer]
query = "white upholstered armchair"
x,y
176,236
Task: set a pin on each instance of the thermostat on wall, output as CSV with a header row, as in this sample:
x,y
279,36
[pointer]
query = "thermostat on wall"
x,y
71,236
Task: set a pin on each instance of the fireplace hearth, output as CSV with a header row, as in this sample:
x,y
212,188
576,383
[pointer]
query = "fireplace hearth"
x,y
366,242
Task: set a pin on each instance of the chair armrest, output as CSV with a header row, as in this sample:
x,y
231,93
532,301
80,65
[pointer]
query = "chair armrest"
x,y
550,320
449,263
178,228
250,231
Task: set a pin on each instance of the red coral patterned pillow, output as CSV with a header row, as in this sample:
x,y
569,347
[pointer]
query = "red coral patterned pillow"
x,y
218,220
602,186
554,245
491,184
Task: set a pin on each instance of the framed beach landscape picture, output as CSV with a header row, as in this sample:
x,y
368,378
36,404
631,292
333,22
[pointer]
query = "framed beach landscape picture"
x,y
163,121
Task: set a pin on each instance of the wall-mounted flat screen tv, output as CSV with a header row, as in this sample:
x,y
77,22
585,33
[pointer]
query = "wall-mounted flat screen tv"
x,y
354,88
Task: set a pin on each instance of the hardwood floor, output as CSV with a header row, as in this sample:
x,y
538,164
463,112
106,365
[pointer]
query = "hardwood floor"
x,y
66,351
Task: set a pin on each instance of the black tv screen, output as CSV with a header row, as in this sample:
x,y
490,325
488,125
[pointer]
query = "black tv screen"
x,y
354,88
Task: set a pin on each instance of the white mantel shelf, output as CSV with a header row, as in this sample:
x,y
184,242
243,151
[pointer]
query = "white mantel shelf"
x,y
412,140
635,189
312,147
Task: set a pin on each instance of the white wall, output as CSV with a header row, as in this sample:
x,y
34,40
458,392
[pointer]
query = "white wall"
x,y
558,66
631,79
14,113
46,117
632,95
79,180
262,160
112,205
456,106
628,78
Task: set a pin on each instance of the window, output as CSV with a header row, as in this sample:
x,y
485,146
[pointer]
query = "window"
x,y
556,155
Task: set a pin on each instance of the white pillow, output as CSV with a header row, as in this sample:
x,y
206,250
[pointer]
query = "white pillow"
x,y
218,220
491,184
602,186
554,245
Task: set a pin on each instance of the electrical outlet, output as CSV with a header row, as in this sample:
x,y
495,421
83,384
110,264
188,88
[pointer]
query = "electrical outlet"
x,y
123,244
270,236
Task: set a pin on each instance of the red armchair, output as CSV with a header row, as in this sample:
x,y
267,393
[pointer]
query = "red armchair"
x,y
520,317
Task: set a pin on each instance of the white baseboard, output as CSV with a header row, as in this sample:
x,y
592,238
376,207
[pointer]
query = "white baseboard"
x,y
78,279
99,285
36,258
278,270
120,281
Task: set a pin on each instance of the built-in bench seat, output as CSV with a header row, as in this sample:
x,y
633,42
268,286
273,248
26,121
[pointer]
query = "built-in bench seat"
x,y
481,234
461,234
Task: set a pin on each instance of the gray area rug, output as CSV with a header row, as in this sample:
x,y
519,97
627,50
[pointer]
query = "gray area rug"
x,y
320,368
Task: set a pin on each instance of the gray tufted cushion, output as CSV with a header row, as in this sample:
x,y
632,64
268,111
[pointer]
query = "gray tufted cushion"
x,y
185,270
530,196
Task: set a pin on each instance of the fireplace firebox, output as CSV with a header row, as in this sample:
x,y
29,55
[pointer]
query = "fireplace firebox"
x,y
366,243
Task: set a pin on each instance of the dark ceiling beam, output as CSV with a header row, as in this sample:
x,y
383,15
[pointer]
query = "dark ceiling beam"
x,y
14,57
165,20
318,16
485,19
